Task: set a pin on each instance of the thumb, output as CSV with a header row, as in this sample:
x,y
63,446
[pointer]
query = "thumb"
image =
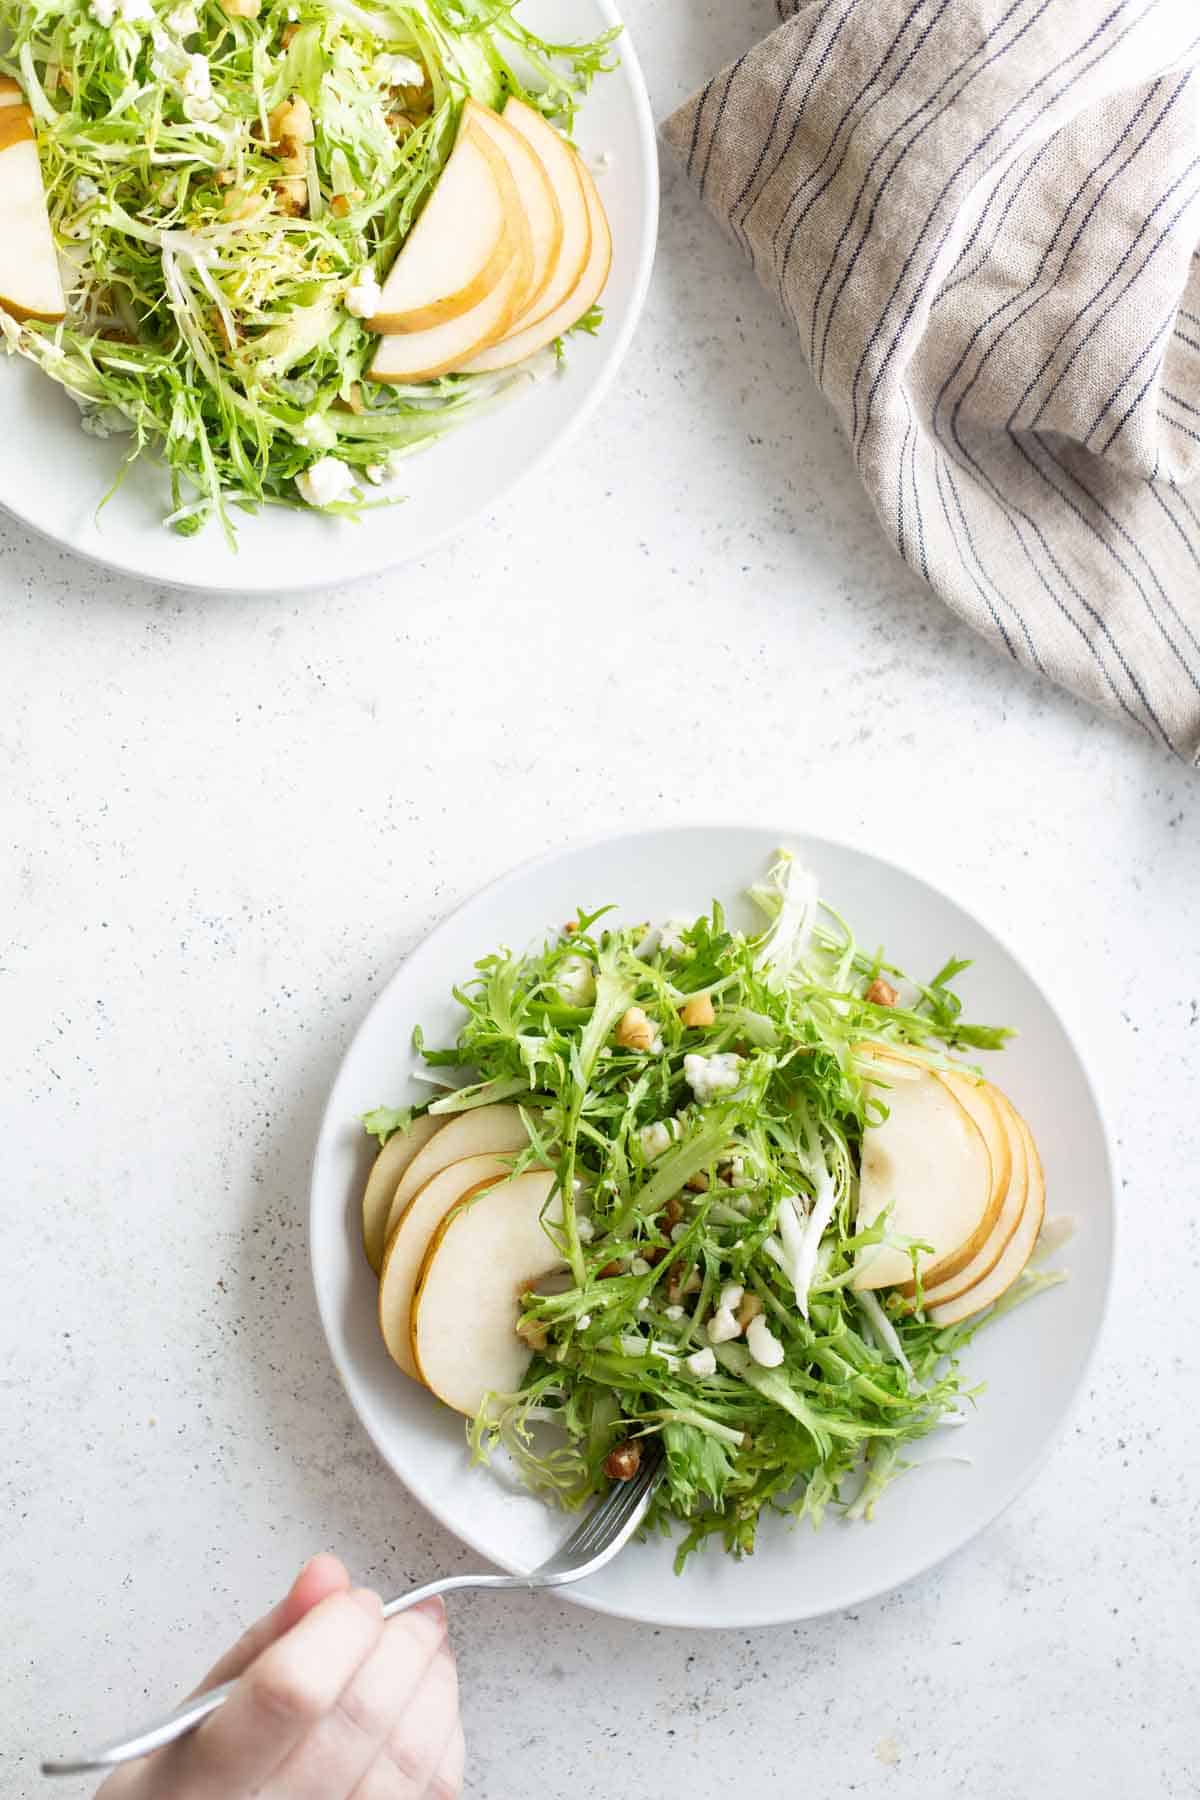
x,y
323,1576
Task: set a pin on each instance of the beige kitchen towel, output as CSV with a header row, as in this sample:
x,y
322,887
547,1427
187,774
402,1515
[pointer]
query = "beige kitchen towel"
x,y
982,218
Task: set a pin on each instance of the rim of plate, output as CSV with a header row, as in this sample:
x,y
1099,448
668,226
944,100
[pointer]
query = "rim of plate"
x,y
616,348
1007,1491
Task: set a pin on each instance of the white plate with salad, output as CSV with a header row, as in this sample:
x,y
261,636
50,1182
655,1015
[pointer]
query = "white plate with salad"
x,y
751,1142
295,288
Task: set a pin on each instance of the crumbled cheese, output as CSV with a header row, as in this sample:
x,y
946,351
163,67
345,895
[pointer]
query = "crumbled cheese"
x,y
656,1138
670,938
316,433
674,1313
723,1326
131,12
103,421
731,1297
678,1232
195,88
762,1344
397,71
639,1266
708,1076
643,1303
1057,1231
327,482
365,297
602,163
575,980
84,189
583,1321
586,1230
701,1362
543,364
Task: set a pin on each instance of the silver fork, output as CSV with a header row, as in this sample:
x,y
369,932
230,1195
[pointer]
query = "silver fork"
x,y
606,1530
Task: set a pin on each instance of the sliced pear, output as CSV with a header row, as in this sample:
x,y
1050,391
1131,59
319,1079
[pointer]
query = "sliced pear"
x,y
538,200
407,1245
10,92
524,339
929,1163
978,1099
1016,1252
483,1131
563,171
384,1179
422,355
1011,1214
467,1302
30,283
460,246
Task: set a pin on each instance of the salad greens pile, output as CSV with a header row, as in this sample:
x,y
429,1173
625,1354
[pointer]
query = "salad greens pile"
x,y
207,276
700,1166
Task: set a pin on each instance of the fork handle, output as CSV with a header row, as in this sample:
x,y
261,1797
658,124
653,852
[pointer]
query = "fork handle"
x,y
193,1712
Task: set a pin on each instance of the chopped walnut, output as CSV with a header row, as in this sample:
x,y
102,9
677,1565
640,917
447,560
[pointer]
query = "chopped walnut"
x,y
292,131
623,1462
533,1332
698,1011
681,1283
635,1031
882,993
751,1306
292,195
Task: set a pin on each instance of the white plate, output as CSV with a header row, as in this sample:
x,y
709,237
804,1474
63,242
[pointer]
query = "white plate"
x,y
1032,1361
56,483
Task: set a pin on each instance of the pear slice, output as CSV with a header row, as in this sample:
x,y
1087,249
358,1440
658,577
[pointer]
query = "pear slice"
x,y
979,1100
1016,1253
1011,1213
542,210
30,283
408,1243
482,1131
467,1302
522,341
928,1162
10,92
562,168
460,246
384,1179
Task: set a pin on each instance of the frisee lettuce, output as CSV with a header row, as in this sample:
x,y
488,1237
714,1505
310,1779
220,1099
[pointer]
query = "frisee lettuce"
x,y
205,322
757,1187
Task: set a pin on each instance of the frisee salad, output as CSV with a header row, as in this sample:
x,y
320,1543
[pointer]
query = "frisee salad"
x,y
211,310
698,1099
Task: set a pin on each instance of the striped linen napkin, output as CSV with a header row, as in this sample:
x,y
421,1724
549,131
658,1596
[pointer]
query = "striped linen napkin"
x,y
982,219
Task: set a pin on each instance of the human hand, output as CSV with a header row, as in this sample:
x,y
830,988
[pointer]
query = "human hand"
x,y
332,1703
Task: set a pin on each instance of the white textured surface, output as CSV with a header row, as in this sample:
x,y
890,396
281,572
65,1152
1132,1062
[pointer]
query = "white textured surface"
x,y
222,823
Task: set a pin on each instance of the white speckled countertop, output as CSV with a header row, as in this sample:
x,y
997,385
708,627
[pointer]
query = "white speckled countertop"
x,y
223,823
